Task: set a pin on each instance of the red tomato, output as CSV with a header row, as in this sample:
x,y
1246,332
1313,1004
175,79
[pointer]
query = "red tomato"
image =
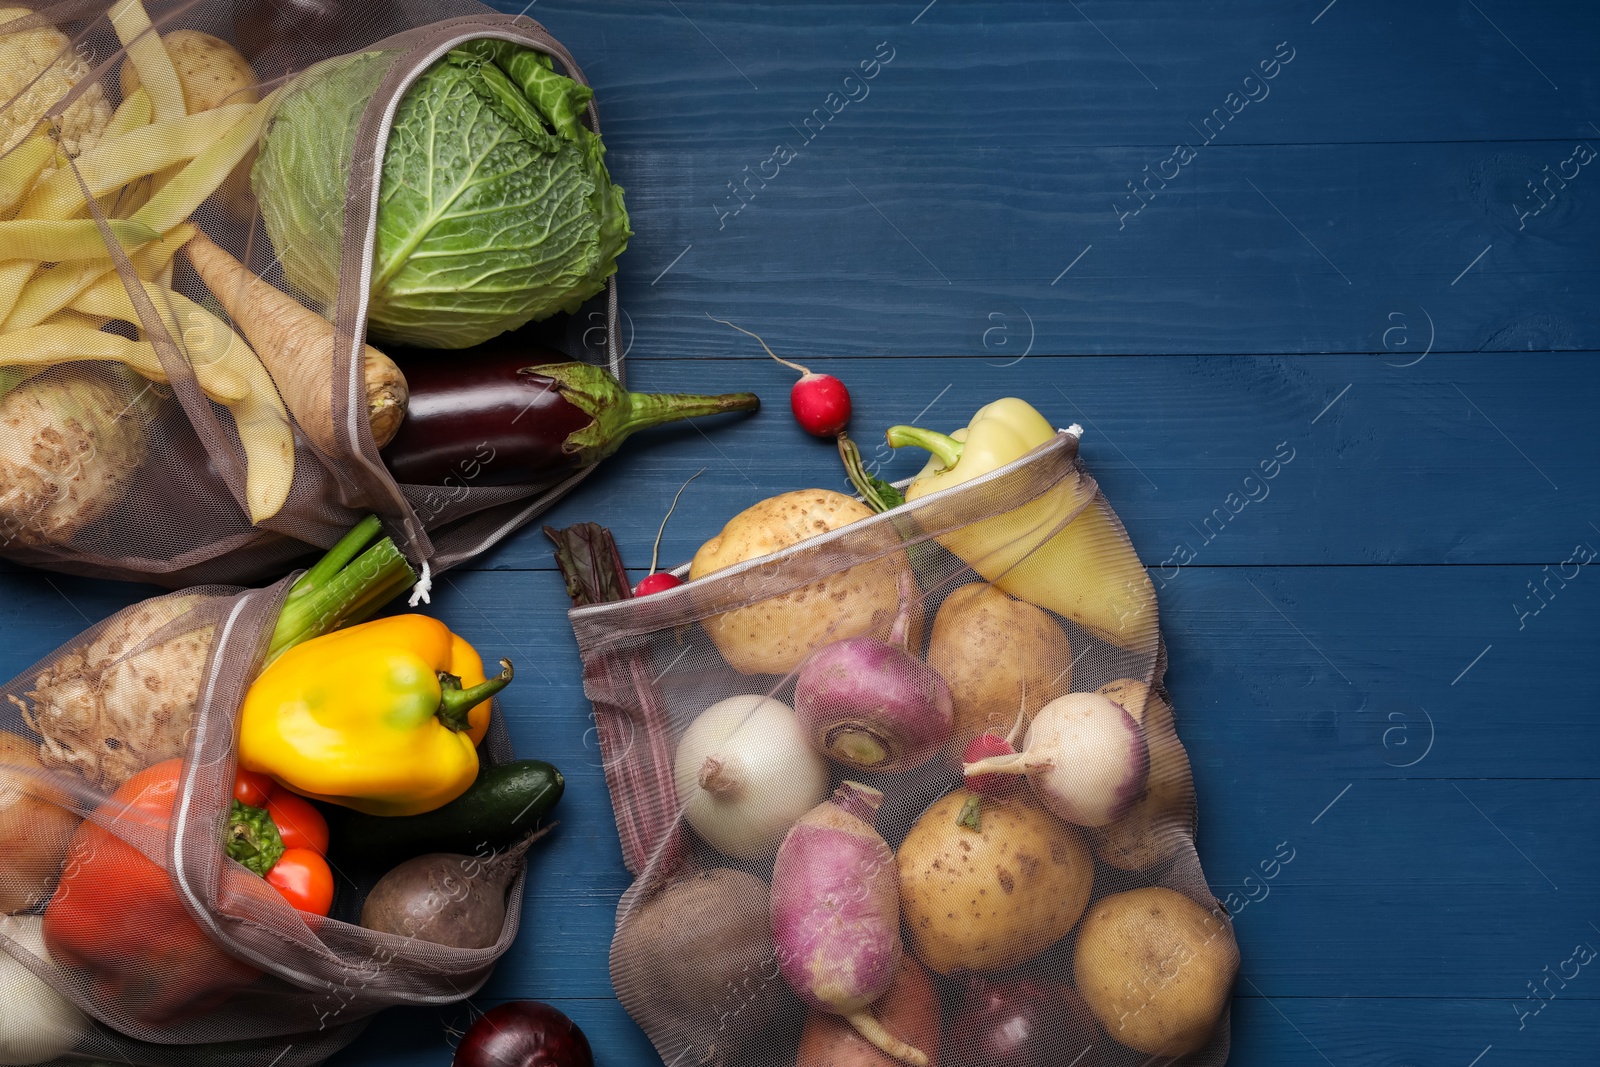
x,y
253,789
304,879
300,824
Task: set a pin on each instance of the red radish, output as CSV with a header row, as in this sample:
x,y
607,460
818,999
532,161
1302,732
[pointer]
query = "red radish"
x,y
872,704
836,914
1084,756
989,744
657,582
990,785
820,402
661,581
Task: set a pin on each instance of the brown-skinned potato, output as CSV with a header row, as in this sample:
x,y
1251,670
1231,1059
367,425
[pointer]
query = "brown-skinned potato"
x,y
1161,823
996,897
991,649
774,635
1156,969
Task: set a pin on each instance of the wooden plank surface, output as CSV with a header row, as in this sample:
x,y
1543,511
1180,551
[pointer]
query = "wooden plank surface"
x,y
1370,663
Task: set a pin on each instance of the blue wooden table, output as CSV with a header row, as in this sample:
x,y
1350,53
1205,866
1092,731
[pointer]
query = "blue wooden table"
x,y
1358,234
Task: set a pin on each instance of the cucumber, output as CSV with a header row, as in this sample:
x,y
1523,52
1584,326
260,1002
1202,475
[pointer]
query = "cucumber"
x,y
503,804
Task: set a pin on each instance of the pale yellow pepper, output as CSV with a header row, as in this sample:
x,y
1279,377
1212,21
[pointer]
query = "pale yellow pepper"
x,y
1081,567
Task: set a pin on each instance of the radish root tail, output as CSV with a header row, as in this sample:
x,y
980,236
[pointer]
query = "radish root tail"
x,y
763,344
868,1026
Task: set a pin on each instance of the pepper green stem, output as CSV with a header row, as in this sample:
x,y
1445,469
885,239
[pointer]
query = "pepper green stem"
x,y
455,702
253,838
946,448
618,413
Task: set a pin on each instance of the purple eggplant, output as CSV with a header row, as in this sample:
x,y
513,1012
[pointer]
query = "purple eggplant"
x,y
508,417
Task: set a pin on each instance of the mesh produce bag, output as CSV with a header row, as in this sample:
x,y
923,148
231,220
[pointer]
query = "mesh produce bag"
x,y
166,411
174,953
1073,906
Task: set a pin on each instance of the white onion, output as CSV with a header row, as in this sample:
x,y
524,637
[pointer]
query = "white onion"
x,y
745,773
36,1022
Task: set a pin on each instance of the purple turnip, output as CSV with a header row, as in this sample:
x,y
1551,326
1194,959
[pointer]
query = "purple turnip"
x,y
1085,757
872,704
836,914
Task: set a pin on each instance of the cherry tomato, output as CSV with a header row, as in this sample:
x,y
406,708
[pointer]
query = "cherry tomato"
x,y
299,823
253,789
304,879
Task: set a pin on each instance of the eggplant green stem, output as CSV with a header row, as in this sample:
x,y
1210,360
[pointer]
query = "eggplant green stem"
x,y
616,413
944,447
455,702
347,585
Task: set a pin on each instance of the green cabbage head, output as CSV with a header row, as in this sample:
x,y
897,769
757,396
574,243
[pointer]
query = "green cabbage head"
x,y
495,206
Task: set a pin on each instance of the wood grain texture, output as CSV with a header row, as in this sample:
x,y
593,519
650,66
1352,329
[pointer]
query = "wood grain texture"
x,y
1377,664
1408,466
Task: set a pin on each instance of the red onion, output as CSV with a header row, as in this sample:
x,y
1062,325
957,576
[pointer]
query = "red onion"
x,y
1022,1022
524,1033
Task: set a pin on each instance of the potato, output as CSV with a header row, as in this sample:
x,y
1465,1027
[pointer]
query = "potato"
x,y
991,648
1134,695
909,1011
1158,826
34,831
210,70
996,897
211,73
773,636
1156,969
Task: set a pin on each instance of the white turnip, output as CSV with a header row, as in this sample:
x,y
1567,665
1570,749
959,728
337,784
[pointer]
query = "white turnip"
x,y
836,914
872,704
1085,757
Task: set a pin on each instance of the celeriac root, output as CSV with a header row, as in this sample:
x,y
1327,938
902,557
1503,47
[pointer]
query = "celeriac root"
x,y
121,702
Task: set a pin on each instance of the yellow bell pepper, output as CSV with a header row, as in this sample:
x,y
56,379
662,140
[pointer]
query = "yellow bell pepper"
x,y
1063,550
384,717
